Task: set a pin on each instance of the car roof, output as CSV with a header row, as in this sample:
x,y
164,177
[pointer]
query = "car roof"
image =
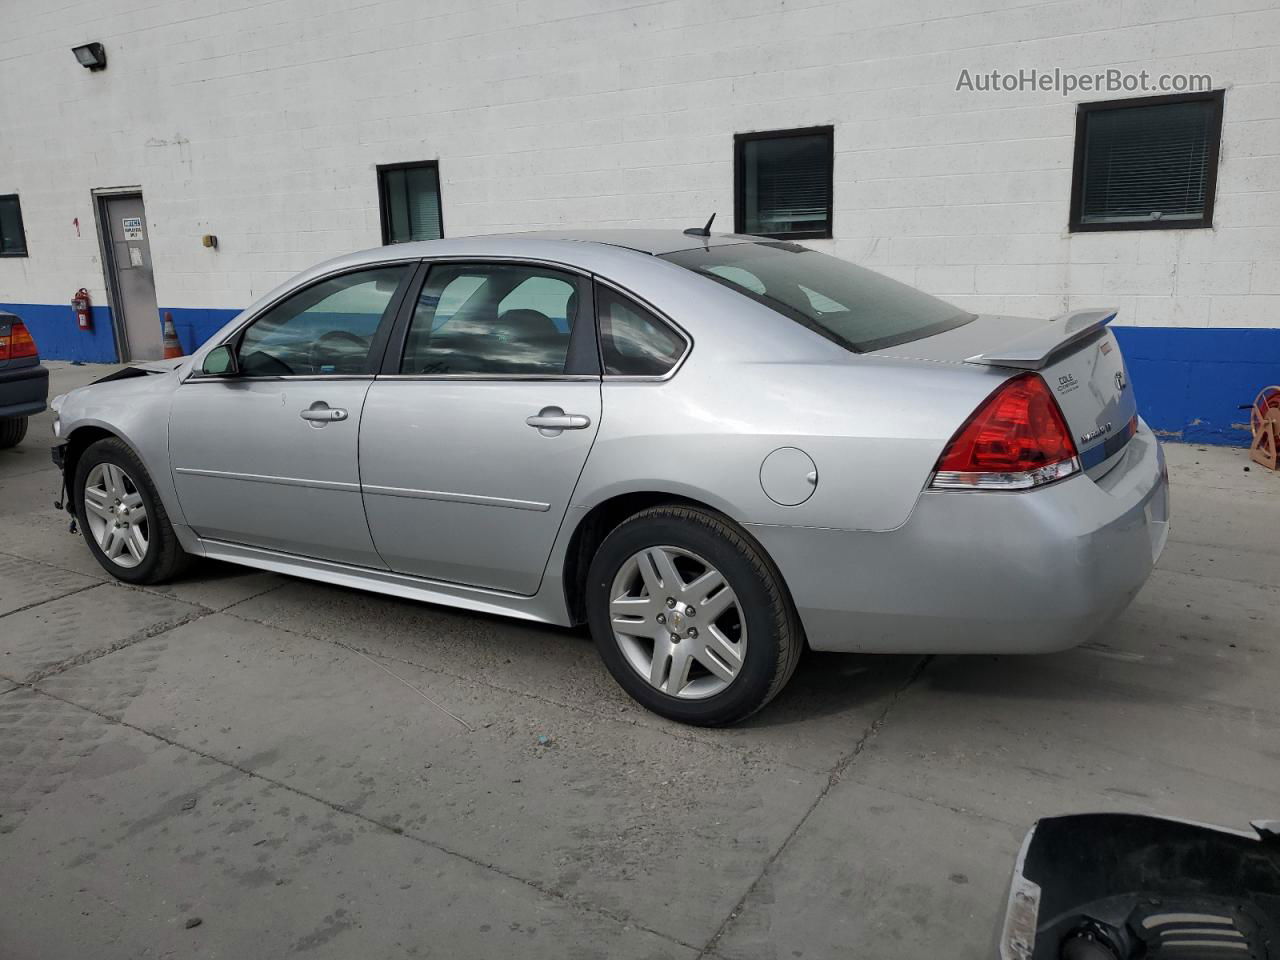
x,y
624,255
630,259
652,241
590,249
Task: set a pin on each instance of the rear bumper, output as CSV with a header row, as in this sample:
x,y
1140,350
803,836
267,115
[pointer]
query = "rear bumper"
x,y
24,391
984,572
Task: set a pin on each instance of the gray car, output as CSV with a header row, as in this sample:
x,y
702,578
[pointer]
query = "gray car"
x,y
712,449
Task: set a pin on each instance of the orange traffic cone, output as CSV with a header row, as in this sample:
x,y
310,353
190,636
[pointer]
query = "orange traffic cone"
x,y
172,348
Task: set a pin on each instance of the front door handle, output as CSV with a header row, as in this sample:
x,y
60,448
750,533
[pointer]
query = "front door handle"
x,y
320,413
549,421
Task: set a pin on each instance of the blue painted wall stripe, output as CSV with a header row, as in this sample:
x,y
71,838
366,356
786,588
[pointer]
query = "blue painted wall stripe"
x,y
58,337
1190,382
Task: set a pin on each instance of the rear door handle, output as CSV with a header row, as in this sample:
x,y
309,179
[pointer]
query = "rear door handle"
x,y
549,421
321,413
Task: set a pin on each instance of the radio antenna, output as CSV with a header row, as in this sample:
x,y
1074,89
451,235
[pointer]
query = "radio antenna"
x,y
701,231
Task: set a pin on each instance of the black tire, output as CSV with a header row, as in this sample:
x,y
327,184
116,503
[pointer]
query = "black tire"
x,y
12,430
164,558
775,638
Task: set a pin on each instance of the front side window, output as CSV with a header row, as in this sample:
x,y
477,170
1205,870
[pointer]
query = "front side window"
x,y
783,183
325,330
633,342
492,320
13,240
857,308
409,196
1146,164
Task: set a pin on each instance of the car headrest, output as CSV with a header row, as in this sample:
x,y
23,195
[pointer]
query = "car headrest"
x,y
527,325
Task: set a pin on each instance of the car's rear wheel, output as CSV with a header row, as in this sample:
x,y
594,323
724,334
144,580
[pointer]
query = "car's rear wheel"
x,y
690,616
124,522
12,430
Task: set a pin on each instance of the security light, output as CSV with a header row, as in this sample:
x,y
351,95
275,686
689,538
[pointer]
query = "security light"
x,y
91,55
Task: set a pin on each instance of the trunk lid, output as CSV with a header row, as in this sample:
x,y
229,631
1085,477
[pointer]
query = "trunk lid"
x,y
1077,356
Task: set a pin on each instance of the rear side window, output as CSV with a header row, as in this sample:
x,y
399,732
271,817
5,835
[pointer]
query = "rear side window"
x,y
325,330
857,308
492,320
633,342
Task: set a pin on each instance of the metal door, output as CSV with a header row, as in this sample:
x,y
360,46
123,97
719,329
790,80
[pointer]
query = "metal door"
x,y
267,456
253,465
469,454
468,481
132,282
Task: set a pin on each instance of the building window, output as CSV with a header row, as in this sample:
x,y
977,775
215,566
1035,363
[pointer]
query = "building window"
x,y
1146,164
409,194
13,240
782,183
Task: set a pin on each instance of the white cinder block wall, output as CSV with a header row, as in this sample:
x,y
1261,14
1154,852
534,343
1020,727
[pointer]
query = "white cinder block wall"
x,y
262,123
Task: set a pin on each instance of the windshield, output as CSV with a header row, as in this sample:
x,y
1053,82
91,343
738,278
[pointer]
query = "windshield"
x,y
857,308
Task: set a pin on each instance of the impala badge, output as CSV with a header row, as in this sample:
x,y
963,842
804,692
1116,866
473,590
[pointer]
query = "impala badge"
x,y
1121,382
1100,431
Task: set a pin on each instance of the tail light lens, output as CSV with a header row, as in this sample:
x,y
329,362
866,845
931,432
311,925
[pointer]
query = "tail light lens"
x,y
1016,440
18,343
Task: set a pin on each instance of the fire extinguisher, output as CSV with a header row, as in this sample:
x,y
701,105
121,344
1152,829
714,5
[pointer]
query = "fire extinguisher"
x,y
83,308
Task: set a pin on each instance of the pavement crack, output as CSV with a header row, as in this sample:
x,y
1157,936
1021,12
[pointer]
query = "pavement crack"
x,y
837,772
1017,825
61,596
88,656
546,891
834,776
169,595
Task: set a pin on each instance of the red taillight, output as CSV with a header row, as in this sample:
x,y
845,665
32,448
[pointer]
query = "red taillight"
x,y
1015,440
18,343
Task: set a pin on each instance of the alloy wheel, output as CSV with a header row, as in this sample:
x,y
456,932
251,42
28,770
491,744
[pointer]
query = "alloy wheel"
x,y
116,515
678,622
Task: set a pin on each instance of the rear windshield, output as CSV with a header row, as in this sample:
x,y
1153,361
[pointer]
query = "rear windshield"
x,y
857,308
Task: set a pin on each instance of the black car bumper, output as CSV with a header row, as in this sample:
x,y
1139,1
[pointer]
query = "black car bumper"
x,y
23,391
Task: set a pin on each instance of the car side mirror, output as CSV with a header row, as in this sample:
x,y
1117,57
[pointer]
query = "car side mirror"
x,y
220,362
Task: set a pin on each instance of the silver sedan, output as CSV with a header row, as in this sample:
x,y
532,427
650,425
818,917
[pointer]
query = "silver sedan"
x,y
713,449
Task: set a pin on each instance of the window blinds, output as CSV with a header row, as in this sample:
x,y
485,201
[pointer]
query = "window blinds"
x,y
1147,163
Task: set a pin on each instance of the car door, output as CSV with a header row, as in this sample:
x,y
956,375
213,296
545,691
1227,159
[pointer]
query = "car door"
x,y
268,456
472,442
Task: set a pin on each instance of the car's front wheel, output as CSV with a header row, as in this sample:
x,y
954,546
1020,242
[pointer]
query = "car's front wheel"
x,y
124,522
691,617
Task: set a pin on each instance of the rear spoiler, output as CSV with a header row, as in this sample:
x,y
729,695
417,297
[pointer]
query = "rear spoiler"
x,y
1032,350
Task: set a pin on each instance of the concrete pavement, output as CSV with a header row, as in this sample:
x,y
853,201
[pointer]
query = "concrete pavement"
x,y
309,770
